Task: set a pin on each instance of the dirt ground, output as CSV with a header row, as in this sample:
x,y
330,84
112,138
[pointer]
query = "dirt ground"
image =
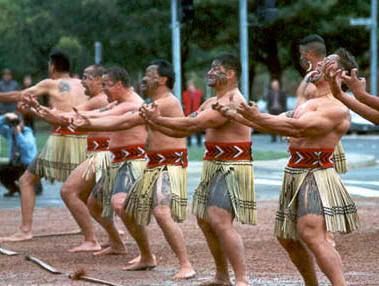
x,y
268,264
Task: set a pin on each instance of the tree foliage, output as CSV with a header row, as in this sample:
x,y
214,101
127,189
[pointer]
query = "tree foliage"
x,y
135,32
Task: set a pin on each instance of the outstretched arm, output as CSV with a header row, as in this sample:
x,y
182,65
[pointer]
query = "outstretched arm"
x,y
312,123
168,131
232,114
362,109
121,122
358,88
12,96
205,119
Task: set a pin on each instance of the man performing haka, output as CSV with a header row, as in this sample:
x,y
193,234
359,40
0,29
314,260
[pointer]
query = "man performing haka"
x,y
63,151
76,189
128,159
313,201
161,190
226,189
312,50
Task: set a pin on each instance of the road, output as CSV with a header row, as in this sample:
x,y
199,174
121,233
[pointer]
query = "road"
x,y
362,181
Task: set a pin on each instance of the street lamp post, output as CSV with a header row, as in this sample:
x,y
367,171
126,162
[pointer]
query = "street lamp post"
x,y
371,23
244,48
98,53
176,54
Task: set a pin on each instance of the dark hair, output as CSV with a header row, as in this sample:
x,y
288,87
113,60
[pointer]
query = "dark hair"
x,y
96,70
230,61
314,43
346,61
165,69
60,61
118,74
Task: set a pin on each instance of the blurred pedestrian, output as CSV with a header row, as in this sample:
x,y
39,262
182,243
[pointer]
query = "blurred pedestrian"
x,y
7,83
192,99
22,150
276,101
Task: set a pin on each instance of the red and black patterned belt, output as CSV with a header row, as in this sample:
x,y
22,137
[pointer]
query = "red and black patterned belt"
x,y
177,157
97,144
311,158
66,131
227,151
130,152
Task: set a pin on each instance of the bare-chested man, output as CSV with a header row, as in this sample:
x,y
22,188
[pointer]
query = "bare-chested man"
x,y
161,190
363,103
127,155
76,189
312,50
64,149
313,201
226,189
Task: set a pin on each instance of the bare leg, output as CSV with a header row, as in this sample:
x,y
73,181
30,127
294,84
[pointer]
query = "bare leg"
x,y
302,259
175,239
27,184
75,192
222,274
147,260
221,222
116,244
312,231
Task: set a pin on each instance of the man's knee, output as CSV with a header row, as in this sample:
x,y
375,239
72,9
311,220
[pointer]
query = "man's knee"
x,y
28,179
66,190
162,214
118,204
219,219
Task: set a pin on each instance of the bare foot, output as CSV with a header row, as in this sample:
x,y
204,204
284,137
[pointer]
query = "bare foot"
x,y
86,246
17,236
110,251
141,265
185,273
138,259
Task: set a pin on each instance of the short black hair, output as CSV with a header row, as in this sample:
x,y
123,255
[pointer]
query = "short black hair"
x,y
230,61
314,43
60,61
96,70
118,74
165,69
346,60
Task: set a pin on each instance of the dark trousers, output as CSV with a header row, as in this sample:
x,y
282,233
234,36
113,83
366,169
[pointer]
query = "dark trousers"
x,y
9,175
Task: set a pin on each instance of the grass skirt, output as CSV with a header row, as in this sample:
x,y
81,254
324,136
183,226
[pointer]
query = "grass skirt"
x,y
60,155
339,210
139,203
239,177
339,157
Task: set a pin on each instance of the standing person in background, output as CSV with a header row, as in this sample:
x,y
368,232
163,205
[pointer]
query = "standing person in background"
x,y
192,99
8,84
276,100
